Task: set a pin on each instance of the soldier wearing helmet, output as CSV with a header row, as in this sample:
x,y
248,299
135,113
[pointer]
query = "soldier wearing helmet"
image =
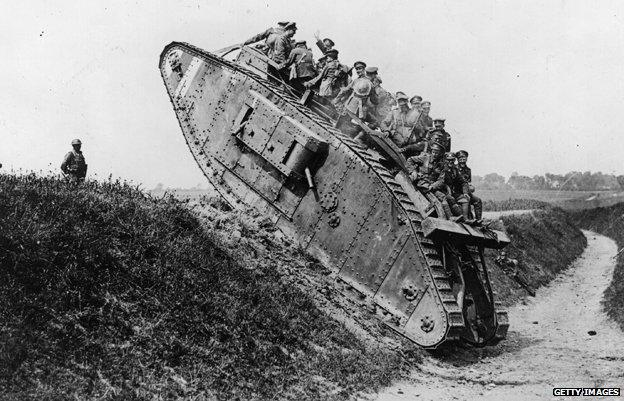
x,y
360,104
74,165
466,172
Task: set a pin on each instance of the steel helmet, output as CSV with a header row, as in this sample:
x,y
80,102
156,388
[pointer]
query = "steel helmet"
x,y
438,146
76,142
362,87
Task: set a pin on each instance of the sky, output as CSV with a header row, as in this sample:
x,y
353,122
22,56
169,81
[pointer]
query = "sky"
x,y
525,86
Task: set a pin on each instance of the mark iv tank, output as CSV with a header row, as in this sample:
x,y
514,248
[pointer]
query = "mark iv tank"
x,y
348,201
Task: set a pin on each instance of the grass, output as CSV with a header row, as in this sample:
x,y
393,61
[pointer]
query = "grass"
x,y
109,293
544,243
514,204
609,221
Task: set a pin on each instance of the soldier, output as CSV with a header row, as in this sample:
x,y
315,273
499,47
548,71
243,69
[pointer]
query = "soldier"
x,y
357,105
458,192
466,172
441,135
415,102
325,45
269,36
384,98
327,77
301,64
427,173
74,166
283,46
396,122
425,121
359,67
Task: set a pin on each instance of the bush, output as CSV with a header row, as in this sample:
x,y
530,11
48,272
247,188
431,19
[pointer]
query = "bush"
x,y
106,292
543,242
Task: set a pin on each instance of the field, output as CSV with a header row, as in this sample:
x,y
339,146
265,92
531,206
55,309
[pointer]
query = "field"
x,y
571,200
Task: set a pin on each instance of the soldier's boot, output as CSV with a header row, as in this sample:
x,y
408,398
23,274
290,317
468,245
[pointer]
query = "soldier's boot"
x,y
478,209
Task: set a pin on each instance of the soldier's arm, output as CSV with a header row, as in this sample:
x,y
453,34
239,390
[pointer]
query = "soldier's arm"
x,y
345,92
439,184
258,37
317,78
66,161
292,56
320,45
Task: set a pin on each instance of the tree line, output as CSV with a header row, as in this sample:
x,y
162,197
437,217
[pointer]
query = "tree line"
x,y
572,181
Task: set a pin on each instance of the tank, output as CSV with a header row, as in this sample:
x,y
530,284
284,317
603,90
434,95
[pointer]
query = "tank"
x,y
347,201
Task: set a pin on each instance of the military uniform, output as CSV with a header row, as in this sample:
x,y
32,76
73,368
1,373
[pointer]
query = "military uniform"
x,y
301,64
74,165
360,104
458,198
396,123
282,49
466,173
328,77
428,175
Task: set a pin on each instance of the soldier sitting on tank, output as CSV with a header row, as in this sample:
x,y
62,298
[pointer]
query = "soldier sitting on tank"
x,y
457,187
445,137
301,66
396,124
427,173
358,105
422,145
74,166
466,172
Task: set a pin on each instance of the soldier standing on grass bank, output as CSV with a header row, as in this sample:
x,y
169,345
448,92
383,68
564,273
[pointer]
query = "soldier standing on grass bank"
x,y
74,166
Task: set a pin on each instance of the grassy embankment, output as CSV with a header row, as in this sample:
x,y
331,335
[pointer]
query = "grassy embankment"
x,y
543,242
106,292
610,222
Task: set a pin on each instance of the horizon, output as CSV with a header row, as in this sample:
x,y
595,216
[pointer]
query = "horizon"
x,y
526,87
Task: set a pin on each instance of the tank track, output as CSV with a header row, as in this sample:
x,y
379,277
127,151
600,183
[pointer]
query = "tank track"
x,y
428,248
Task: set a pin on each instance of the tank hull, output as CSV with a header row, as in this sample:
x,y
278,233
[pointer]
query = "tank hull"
x,y
261,148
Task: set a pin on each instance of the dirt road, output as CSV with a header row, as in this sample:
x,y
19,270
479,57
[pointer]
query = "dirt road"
x,y
549,344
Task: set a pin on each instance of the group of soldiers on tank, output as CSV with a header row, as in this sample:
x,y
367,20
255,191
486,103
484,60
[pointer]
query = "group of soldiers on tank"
x,y
361,100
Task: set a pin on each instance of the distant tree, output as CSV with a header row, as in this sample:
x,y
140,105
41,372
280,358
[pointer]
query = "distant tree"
x,y
158,187
494,181
620,180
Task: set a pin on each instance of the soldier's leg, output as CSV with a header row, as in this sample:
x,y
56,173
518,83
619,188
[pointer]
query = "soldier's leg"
x,y
464,203
445,206
454,205
478,206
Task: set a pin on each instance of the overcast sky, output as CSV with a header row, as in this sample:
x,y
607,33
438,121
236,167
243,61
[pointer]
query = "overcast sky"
x,y
526,86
